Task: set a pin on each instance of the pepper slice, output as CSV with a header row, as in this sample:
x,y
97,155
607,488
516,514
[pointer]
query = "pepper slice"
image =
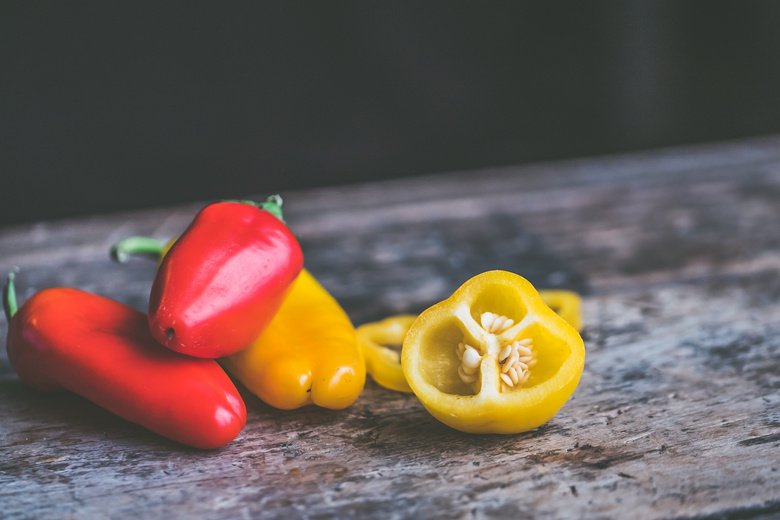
x,y
493,358
382,361
566,304
101,349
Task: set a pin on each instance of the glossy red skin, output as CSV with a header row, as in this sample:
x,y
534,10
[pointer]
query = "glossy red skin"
x,y
102,350
223,280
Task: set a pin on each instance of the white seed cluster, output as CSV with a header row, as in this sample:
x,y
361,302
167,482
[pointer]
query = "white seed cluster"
x,y
516,361
494,323
469,363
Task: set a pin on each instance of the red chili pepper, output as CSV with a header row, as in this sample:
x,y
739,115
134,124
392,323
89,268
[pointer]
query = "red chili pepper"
x,y
224,279
102,350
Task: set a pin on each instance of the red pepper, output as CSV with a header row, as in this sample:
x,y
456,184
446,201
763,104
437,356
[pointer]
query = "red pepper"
x,y
102,350
224,279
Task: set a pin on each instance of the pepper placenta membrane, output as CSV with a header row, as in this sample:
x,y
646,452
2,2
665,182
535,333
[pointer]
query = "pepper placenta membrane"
x,y
101,349
493,358
224,279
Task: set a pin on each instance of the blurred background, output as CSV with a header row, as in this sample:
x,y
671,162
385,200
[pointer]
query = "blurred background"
x,y
108,106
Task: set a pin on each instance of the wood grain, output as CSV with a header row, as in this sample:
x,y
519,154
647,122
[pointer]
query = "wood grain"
x,y
677,254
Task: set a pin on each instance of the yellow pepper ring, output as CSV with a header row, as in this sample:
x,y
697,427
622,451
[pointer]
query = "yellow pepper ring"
x,y
382,362
565,303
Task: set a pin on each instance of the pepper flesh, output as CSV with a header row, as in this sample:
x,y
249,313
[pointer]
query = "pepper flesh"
x,y
431,364
102,350
223,280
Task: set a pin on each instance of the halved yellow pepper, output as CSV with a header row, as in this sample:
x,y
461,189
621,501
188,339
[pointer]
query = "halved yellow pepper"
x,y
378,339
308,353
493,358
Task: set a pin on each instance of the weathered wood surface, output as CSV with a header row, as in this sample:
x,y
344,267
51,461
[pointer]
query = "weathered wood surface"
x,y
677,414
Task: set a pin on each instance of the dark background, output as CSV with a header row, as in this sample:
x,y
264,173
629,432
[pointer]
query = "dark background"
x,y
108,106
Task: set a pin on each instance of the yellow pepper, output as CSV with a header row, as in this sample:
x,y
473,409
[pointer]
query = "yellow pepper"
x,y
565,303
382,361
492,358
308,353
378,339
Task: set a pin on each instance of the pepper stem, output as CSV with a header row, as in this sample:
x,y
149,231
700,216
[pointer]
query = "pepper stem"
x,y
143,246
9,297
272,204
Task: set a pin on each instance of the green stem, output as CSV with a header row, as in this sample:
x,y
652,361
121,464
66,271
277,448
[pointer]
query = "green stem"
x,y
272,204
143,246
9,297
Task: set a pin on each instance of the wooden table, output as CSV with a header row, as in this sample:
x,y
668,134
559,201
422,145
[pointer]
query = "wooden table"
x,y
677,255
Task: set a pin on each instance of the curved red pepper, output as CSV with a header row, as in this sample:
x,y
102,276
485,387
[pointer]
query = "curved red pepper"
x,y
102,350
223,280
